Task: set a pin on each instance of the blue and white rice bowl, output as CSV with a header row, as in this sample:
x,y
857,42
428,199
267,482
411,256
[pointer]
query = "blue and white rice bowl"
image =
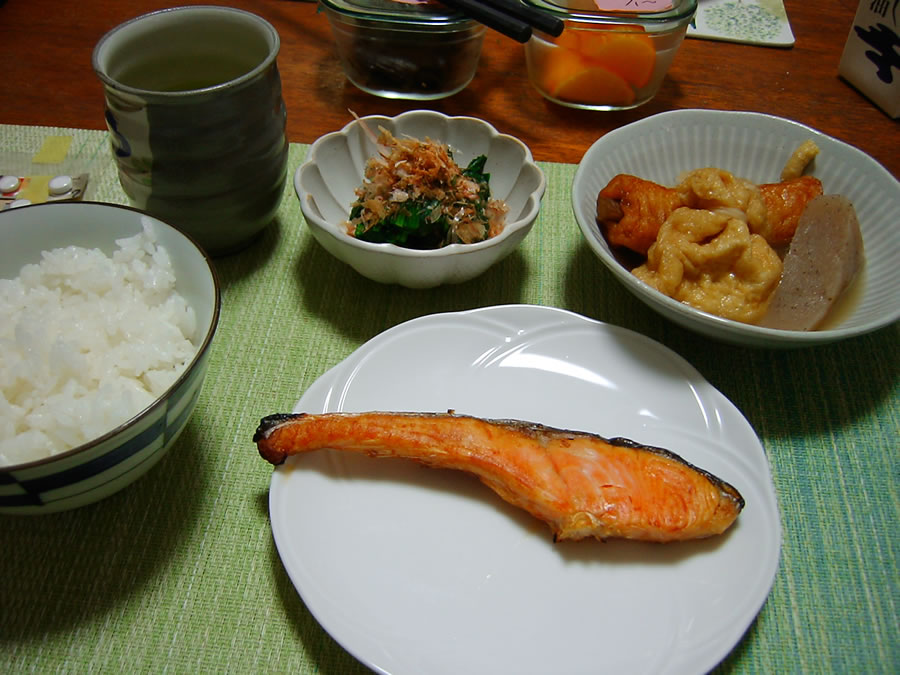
x,y
101,467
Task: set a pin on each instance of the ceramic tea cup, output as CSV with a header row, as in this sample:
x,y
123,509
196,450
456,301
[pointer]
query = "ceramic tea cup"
x,y
197,120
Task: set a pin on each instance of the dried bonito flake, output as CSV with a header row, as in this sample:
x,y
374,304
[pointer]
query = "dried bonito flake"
x,y
415,195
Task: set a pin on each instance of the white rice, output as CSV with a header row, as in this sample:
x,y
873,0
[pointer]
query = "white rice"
x,y
87,341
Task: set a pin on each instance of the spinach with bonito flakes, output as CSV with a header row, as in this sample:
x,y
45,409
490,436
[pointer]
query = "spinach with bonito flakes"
x,y
414,195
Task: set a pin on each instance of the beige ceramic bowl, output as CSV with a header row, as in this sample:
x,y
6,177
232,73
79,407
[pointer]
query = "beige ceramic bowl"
x,y
334,168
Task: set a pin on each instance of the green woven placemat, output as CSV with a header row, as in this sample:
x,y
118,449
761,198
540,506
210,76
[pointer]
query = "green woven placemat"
x,y
178,573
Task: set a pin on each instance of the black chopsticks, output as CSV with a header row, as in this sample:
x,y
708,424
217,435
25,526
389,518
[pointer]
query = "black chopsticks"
x,y
534,17
509,17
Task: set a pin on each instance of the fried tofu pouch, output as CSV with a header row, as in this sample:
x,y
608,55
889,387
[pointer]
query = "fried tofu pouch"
x,y
714,263
708,253
785,202
631,210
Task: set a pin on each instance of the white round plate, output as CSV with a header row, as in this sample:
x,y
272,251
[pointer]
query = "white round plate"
x,y
414,570
756,147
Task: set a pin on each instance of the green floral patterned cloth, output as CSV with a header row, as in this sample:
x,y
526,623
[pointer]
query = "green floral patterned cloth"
x,y
179,573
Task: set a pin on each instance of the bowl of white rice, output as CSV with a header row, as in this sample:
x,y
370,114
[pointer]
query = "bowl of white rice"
x,y
108,317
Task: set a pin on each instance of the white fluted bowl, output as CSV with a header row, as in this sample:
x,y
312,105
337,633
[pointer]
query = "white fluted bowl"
x,y
334,168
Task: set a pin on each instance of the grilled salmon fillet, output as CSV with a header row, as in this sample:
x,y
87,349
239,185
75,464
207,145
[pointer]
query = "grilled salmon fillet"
x,y
582,485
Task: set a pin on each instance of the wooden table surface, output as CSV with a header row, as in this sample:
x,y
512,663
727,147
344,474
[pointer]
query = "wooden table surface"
x,y
180,573
48,80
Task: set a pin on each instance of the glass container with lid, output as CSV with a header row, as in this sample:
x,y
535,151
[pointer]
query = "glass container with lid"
x,y
394,49
609,57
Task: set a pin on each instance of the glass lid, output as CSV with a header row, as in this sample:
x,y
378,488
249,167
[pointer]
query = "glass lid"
x,y
621,11
398,11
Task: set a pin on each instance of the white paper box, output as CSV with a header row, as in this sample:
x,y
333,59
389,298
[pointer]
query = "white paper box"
x,y
871,58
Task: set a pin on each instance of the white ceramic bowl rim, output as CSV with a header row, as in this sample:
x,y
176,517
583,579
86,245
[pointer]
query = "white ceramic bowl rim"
x,y
201,350
450,249
729,326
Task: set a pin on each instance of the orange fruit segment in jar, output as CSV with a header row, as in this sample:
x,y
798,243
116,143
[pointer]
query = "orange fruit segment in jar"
x,y
559,65
595,85
599,67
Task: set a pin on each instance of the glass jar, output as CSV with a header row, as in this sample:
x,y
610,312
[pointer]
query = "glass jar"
x,y
605,60
409,51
